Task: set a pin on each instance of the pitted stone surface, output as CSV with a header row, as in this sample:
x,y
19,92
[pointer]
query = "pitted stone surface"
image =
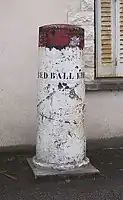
x,y
87,5
89,73
84,17
89,47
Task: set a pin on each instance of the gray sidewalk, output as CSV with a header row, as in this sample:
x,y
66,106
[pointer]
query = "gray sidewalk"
x,y
17,181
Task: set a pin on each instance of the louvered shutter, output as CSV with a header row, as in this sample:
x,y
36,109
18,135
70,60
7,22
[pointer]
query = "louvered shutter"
x,y
119,38
105,61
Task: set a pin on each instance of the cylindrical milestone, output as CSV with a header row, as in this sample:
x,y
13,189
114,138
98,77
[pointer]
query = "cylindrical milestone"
x,y
61,143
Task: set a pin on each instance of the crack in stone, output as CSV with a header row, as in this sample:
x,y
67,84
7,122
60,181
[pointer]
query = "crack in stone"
x,y
83,107
44,116
51,94
69,133
73,95
51,118
76,85
48,97
40,103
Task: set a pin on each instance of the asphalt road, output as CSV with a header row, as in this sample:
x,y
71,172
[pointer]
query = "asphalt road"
x,y
17,180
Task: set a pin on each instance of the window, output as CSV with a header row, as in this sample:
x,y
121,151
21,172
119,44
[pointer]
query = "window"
x,y
109,38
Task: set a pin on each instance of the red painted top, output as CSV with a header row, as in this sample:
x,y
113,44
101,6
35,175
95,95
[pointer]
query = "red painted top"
x,y
61,36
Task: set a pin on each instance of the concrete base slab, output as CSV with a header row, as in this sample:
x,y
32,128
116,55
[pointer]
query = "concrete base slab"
x,y
88,169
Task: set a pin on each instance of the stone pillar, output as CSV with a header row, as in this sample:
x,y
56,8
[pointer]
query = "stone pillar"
x,y
61,142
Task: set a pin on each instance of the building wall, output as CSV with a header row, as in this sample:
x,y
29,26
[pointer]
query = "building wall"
x,y
104,114
19,22
83,16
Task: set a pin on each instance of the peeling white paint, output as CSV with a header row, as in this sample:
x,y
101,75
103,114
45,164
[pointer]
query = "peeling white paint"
x,y
61,142
74,41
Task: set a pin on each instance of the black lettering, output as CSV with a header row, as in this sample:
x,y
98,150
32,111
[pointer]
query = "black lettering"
x,y
53,75
45,75
59,75
70,76
40,75
64,75
80,75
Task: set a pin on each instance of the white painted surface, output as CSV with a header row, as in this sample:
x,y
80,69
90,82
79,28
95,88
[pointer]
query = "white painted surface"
x,y
61,142
104,113
19,21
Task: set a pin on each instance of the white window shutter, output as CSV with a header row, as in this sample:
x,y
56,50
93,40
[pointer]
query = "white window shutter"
x,y
105,35
119,37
